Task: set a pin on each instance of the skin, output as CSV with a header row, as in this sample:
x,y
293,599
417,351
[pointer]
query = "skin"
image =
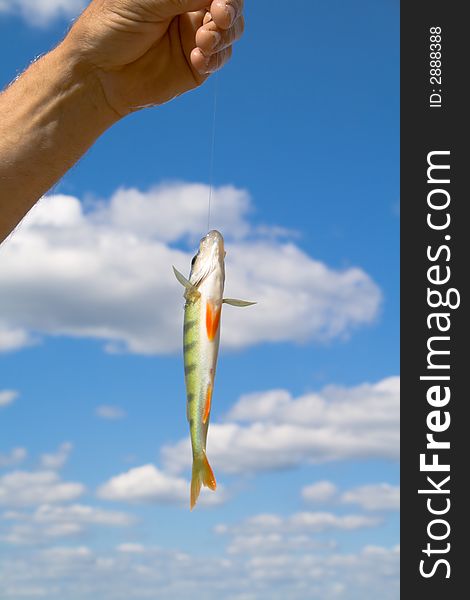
x,y
120,56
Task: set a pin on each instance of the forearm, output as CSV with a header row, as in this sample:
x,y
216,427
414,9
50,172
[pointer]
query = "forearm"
x,y
49,117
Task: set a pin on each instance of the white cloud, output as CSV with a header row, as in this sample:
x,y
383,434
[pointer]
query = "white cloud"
x,y
14,338
293,554
42,12
170,212
130,548
111,413
57,460
320,492
82,573
149,485
26,533
23,488
273,430
50,522
301,522
266,555
7,397
319,521
144,484
106,274
370,497
13,458
79,513
355,576
273,543
374,497
67,553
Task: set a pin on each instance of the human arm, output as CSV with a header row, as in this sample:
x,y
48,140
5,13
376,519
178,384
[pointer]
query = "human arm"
x,y
120,56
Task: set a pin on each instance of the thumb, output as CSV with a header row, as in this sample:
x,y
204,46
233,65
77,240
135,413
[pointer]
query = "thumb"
x,y
171,8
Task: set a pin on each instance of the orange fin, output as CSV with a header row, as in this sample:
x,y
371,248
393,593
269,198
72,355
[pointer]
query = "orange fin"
x,y
195,488
207,408
202,474
212,319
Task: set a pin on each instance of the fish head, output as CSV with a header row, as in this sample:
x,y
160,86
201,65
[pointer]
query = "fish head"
x,y
210,259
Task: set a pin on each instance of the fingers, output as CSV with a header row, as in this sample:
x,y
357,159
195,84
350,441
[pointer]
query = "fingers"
x,y
222,26
209,64
226,12
211,39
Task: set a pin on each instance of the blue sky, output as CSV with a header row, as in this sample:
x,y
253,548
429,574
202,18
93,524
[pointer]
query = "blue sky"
x,y
94,455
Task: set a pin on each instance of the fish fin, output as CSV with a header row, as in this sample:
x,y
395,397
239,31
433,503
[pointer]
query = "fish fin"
x,y
196,484
202,474
212,319
191,292
240,303
182,279
207,408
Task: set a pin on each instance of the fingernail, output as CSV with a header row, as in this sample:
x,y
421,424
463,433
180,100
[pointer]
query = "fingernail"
x,y
216,38
231,12
205,62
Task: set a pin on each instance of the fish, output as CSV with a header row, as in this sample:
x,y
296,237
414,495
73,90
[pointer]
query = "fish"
x,y
201,336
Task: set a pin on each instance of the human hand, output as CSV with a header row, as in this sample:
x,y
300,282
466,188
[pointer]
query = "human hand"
x,y
146,52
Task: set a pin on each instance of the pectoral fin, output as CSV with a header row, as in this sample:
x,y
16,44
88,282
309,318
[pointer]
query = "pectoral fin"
x,y
240,303
182,279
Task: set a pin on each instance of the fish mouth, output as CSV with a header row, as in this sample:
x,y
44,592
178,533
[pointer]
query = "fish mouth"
x,y
211,256
212,247
214,238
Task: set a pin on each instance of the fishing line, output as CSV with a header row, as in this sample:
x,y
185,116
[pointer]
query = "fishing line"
x,y
213,138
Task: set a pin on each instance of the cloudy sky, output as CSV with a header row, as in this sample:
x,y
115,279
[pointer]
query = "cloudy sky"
x,y
94,447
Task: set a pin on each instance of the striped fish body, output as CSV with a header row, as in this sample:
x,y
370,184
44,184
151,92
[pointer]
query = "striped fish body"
x,y
201,346
200,360
201,334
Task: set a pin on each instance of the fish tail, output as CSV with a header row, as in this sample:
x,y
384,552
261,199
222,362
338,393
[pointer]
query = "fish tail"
x,y
202,474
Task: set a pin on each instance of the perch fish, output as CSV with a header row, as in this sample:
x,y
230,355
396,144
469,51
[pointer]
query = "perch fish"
x,y
201,334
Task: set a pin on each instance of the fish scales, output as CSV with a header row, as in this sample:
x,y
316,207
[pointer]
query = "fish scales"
x,y
201,335
197,372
